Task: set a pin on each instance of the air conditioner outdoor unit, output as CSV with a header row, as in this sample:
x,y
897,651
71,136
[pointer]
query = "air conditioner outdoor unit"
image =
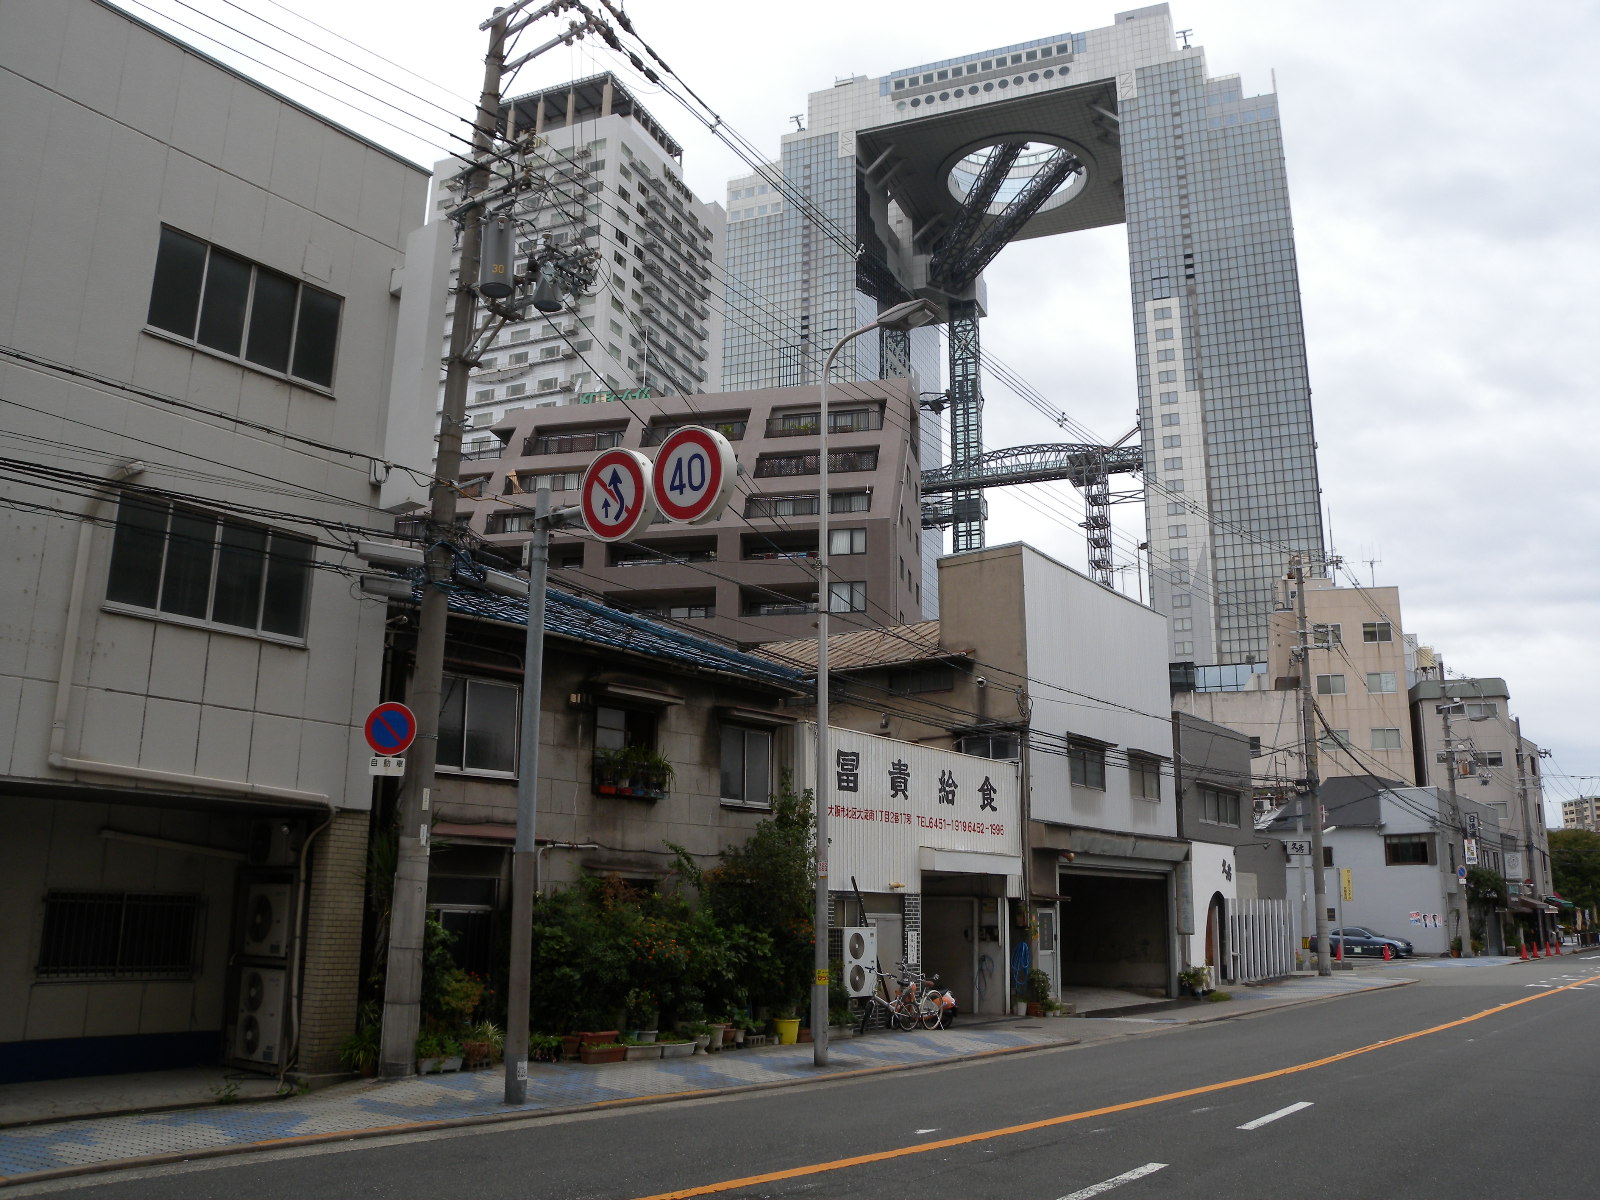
x,y
266,921
860,959
258,1026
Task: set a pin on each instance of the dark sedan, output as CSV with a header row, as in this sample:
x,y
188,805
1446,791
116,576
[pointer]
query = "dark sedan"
x,y
1358,939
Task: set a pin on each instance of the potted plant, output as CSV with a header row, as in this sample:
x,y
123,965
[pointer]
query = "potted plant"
x,y
840,1024
593,1053
673,1046
359,1051
607,771
545,1047
700,1031
451,1054
1195,980
1038,992
430,1052
635,1050
642,1017
1455,946
787,1025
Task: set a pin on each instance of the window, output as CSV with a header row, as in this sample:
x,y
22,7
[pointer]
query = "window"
x,y
1218,807
1171,418
990,745
478,726
118,935
1326,635
1144,777
1334,739
1166,355
1386,739
1088,764
1482,712
847,541
229,304
746,766
1172,464
198,567
1182,624
620,728
1164,334
1162,314
1175,507
1177,531
1330,685
1167,377
1169,398
847,597
1376,631
1407,849
1380,681
1182,600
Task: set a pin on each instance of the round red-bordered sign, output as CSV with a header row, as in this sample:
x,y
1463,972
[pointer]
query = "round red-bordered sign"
x,y
695,471
391,728
615,495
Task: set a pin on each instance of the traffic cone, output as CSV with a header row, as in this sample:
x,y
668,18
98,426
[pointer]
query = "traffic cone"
x,y
1524,951
1553,947
1338,950
1388,952
1535,951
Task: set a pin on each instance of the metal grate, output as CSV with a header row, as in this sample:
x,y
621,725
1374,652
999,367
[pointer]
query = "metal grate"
x,y
114,935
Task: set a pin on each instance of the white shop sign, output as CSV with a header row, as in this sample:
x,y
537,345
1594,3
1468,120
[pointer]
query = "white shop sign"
x,y
888,801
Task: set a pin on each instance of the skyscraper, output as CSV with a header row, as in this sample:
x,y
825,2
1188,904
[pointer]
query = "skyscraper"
x,y
612,178
909,183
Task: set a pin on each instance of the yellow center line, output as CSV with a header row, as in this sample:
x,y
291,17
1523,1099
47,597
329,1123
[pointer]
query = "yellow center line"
x,y
839,1164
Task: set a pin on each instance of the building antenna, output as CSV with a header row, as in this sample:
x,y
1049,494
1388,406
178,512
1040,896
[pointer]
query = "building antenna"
x,y
1372,563
1184,34
799,122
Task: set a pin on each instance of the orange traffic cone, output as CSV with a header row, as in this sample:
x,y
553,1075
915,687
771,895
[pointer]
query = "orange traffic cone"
x,y
1338,950
1535,951
1388,952
1553,947
1524,951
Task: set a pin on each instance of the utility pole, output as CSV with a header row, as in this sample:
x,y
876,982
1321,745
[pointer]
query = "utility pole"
x,y
1458,895
1308,735
402,995
1530,863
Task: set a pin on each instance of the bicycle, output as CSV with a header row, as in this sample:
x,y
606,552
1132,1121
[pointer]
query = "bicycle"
x,y
902,1010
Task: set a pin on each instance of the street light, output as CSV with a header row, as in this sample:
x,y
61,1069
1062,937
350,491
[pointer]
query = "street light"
x,y
899,317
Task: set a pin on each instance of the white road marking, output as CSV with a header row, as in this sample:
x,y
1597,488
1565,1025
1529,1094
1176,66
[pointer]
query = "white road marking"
x,y
920,1132
1273,1116
1125,1177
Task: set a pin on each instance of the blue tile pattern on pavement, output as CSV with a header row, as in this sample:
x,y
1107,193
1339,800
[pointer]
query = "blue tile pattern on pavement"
x,y
354,1108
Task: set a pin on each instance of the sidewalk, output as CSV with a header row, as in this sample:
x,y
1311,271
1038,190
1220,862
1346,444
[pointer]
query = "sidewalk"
x,y
366,1108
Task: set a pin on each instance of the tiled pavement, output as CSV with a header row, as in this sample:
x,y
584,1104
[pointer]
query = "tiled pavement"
x,y
32,1152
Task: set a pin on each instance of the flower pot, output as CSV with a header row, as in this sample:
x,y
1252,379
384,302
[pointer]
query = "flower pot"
x,y
805,1035
569,1046
716,1037
788,1030
644,1036
737,1034
1020,1008
1035,1009
427,1066
593,1055
602,1035
477,1054
636,1053
676,1049
701,1043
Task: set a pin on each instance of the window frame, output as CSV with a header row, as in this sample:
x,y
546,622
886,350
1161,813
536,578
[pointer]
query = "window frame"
x,y
1142,770
1214,804
1086,762
1382,677
126,537
297,316
469,683
745,732
1391,841
1331,685
194,910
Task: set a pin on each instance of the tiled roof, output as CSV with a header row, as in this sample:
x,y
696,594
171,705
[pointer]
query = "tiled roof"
x,y
588,621
864,648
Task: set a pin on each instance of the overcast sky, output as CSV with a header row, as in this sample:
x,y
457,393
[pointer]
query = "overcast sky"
x,y
1443,178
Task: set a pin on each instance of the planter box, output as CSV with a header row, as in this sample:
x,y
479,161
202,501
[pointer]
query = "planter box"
x,y
643,1036
602,1035
838,1033
676,1049
636,1053
569,1046
594,1055
451,1063
428,1066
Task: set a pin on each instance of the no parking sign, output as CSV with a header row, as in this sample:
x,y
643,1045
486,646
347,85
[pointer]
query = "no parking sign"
x,y
695,471
615,495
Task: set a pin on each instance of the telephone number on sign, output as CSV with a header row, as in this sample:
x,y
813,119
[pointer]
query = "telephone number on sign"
x,y
887,816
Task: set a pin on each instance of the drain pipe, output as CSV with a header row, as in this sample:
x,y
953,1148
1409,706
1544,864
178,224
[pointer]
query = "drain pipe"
x,y
538,855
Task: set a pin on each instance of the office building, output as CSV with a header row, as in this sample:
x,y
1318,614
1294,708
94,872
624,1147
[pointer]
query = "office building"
x,y
1121,124
613,180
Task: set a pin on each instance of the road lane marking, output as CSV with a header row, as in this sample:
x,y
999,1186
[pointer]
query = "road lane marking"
x,y
967,1139
1273,1116
1125,1177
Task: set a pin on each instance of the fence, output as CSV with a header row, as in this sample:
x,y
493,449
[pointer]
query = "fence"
x,y
1260,939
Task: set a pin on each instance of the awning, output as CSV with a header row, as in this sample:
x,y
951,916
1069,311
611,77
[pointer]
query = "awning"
x,y
1523,904
1559,902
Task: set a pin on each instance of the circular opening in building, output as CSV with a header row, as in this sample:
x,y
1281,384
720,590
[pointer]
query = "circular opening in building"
x,y
1017,81
900,106
915,103
1033,77
959,93
1034,160
988,87
944,95
1003,83
1049,74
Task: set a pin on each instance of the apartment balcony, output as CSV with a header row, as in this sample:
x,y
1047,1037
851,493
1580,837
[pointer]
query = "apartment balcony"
x,y
572,443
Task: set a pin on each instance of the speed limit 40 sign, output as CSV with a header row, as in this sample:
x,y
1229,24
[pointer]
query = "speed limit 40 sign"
x,y
694,473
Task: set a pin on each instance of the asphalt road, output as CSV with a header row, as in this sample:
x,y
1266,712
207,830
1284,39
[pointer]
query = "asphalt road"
x,y
1433,1090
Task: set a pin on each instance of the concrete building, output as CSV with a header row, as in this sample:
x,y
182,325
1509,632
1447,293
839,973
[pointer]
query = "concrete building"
x,y
853,213
747,576
1227,861
1361,667
1401,847
1582,813
1494,764
1032,661
204,317
613,181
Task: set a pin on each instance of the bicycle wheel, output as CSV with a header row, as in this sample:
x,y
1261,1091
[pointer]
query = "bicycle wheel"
x,y
932,1009
906,1017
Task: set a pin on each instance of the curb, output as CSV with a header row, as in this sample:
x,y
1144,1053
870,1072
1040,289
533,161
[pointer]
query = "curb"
x,y
497,1118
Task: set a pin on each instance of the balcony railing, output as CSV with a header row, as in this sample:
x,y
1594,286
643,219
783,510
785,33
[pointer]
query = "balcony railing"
x,y
811,464
796,609
477,455
571,443
734,431
803,424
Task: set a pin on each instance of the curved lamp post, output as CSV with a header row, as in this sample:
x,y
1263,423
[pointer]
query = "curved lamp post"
x,y
904,316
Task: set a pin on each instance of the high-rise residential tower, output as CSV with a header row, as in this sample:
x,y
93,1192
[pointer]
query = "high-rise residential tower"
x,y
612,178
910,183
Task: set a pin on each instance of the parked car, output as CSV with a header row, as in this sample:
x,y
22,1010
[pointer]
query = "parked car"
x,y
1360,940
